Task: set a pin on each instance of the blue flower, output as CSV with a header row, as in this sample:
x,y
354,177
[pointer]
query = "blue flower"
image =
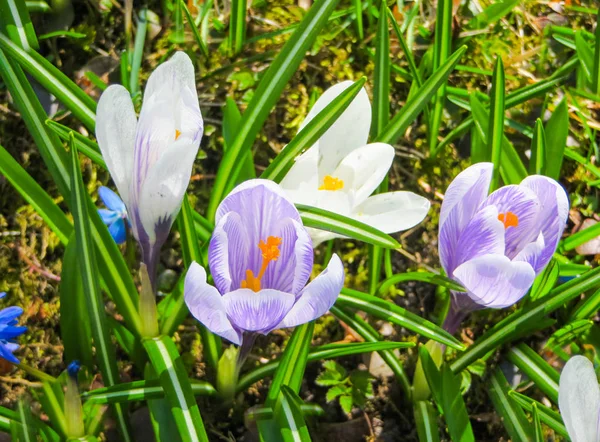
x,y
73,369
9,331
114,215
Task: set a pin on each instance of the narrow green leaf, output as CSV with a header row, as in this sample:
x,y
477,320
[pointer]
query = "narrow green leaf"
x,y
197,36
412,66
28,430
332,222
16,23
407,115
586,57
138,52
538,434
358,11
381,75
84,145
568,333
289,417
527,319
537,164
557,130
391,312
547,415
231,122
588,307
536,368
496,121
431,278
311,133
33,193
237,25
480,151
492,14
86,258
426,421
596,71
545,281
513,417
173,377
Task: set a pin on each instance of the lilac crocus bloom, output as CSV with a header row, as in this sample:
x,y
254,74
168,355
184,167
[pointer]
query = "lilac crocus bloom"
x,y
151,159
579,400
261,258
115,214
9,331
495,245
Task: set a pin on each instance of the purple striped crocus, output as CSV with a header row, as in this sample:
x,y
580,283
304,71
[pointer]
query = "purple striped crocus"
x,y
260,257
495,245
150,159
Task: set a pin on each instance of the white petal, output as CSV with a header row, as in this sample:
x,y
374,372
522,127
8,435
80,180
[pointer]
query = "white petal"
x,y
363,169
178,72
301,182
349,132
164,187
579,399
115,130
393,211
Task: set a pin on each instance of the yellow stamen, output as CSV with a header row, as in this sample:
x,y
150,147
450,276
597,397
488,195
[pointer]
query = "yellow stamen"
x,y
177,133
332,183
270,252
509,219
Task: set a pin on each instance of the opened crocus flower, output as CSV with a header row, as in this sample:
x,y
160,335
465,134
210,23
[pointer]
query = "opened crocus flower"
x,y
579,400
341,171
260,257
150,159
495,245
114,215
9,331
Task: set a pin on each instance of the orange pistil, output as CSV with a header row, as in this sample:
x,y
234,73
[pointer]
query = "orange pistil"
x,y
509,219
177,134
332,183
270,252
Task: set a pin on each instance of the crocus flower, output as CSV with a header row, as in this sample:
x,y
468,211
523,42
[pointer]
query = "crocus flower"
x,y
495,245
340,172
579,400
114,215
150,159
260,257
9,331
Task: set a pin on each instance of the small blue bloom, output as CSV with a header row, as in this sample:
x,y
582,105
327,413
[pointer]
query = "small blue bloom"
x,y
73,369
114,215
9,331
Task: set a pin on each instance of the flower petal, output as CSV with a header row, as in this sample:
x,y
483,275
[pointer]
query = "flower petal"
x,y
392,211
293,267
318,296
258,311
523,203
177,73
228,253
532,253
301,182
350,131
484,235
111,200
115,130
466,193
363,169
162,193
6,349
553,214
495,281
108,216
579,399
118,231
319,236
206,304
8,314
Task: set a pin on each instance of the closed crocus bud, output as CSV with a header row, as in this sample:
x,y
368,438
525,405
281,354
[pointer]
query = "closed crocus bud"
x,y
261,258
495,245
579,400
150,159
341,171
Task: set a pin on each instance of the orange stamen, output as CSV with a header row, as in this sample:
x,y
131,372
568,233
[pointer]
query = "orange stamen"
x,y
332,183
270,252
509,219
177,133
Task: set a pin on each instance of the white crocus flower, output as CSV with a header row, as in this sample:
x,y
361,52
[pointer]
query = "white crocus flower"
x,y
340,172
579,400
151,159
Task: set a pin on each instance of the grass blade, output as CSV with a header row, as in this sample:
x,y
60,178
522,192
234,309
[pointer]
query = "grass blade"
x,y
16,23
431,278
537,164
547,415
195,31
596,72
496,121
536,369
140,391
557,130
237,25
426,422
138,53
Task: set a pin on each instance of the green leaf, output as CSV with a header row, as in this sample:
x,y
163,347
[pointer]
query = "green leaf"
x,y
389,311
231,122
33,193
84,145
197,36
527,319
381,74
496,121
426,422
429,277
334,392
358,11
536,369
54,81
16,23
288,415
407,115
479,149
266,95
237,25
73,310
138,52
568,333
596,71
86,258
537,164
311,133
173,377
557,130
162,420
492,14
513,417
544,281
547,415
586,57
343,225
538,434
